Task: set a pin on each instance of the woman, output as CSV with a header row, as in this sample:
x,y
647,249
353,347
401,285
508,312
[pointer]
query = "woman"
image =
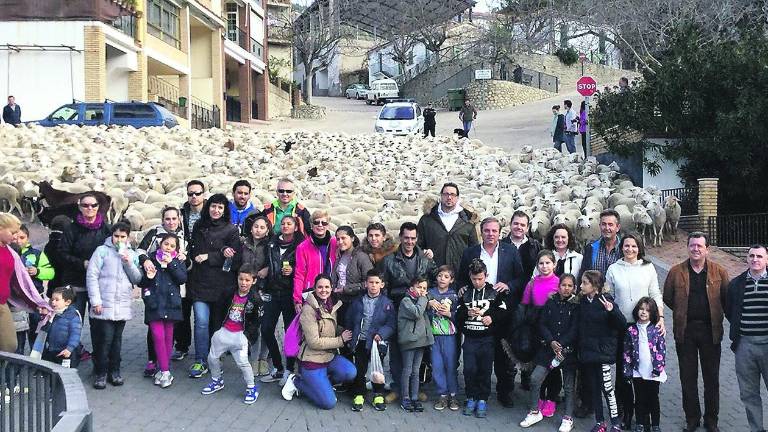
x,y
630,279
216,254
79,241
278,293
15,283
583,126
315,255
561,242
351,266
318,356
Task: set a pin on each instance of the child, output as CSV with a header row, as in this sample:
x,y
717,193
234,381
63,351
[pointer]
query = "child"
x,y
112,271
255,254
558,128
600,323
443,302
162,302
645,352
371,317
231,336
557,328
39,269
413,334
64,329
481,311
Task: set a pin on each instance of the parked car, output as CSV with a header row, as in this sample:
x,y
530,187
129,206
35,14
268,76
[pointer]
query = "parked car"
x,y
136,114
382,91
400,118
356,91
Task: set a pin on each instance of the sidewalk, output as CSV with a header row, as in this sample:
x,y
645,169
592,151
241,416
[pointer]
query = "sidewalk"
x,y
674,252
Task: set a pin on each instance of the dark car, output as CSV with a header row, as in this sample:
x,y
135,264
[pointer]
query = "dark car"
x,y
136,114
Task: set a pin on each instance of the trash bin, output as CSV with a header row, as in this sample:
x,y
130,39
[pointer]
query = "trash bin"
x,y
182,101
455,99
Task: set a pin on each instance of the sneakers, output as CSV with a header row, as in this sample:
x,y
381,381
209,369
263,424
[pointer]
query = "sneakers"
x,y
548,408
406,405
600,427
639,428
166,379
178,355
391,397
289,389
213,386
378,402
115,379
275,375
157,377
531,419
357,403
198,369
453,403
251,394
442,403
482,409
262,368
100,383
150,369
566,425
469,407
417,406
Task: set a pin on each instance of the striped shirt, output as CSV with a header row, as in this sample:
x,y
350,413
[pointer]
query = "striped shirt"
x,y
606,257
754,310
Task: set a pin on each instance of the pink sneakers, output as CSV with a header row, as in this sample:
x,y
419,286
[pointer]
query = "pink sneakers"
x,y
547,408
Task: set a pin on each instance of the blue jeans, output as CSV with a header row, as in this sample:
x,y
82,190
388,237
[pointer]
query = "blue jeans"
x,y
395,363
208,319
570,143
444,365
317,384
467,126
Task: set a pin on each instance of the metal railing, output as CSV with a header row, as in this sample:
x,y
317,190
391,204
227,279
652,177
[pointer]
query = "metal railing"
x,y
39,396
533,78
167,94
238,36
204,116
458,80
126,24
741,230
257,49
688,198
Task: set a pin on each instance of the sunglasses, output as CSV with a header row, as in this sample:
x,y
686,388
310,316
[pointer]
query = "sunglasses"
x,y
285,191
191,194
86,205
319,223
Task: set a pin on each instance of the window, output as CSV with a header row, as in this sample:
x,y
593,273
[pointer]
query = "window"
x,y
397,113
94,113
65,113
133,111
232,29
163,21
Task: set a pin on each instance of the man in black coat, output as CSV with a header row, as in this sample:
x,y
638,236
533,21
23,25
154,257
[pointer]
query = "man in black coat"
x,y
429,120
12,112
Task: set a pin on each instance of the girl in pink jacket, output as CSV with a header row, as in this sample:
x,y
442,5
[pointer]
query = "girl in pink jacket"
x,y
315,255
544,284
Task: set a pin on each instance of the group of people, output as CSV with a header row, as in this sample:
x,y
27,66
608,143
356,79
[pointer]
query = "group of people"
x,y
559,318
566,126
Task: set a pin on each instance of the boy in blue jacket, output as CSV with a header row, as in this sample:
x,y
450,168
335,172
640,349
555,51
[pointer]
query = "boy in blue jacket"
x,y
64,330
372,318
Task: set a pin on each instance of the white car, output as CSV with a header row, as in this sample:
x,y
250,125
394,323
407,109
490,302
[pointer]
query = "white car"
x,y
382,91
356,91
400,118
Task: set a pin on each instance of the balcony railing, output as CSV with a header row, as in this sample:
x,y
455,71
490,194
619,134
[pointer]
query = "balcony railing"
x,y
167,94
278,33
205,116
126,24
238,36
257,49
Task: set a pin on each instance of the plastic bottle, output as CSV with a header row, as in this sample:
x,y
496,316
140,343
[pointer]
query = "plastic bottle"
x,y
66,363
227,265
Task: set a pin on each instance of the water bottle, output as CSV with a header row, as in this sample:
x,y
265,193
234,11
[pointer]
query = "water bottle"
x,y
555,363
227,265
66,363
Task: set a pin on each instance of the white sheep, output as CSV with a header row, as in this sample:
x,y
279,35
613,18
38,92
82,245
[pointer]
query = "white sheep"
x,y
673,210
659,217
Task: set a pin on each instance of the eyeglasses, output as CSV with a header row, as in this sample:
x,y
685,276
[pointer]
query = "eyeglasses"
x,y
319,223
449,194
191,194
285,191
88,205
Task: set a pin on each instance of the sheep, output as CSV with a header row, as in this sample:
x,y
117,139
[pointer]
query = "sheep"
x,y
659,217
587,229
673,210
642,219
10,195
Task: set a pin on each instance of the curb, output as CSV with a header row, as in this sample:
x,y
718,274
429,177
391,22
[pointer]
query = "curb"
x,y
659,263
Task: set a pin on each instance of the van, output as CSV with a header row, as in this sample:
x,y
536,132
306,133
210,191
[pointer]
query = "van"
x,y
382,91
136,114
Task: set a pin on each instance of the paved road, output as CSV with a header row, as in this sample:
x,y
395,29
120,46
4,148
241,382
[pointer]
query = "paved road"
x,y
140,406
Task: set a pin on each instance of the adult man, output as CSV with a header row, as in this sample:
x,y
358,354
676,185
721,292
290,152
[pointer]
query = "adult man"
x,y
241,206
447,229
527,247
467,115
695,290
190,214
285,204
377,243
429,120
12,112
397,272
746,307
505,272
571,126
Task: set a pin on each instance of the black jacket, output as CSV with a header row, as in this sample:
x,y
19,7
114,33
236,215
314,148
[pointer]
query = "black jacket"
x,y
599,331
12,116
492,304
558,321
510,269
51,250
77,245
277,284
185,210
429,116
447,245
528,252
207,281
161,294
396,280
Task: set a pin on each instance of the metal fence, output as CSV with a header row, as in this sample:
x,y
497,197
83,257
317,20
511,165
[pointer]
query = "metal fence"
x,y
39,396
458,80
741,230
167,94
204,116
534,78
688,198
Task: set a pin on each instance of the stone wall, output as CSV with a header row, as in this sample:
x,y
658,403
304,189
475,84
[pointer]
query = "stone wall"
x,y
604,75
279,102
495,94
420,88
309,112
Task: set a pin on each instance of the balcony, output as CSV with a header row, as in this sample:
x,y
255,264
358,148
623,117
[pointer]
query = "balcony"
x,y
238,36
126,24
279,34
257,49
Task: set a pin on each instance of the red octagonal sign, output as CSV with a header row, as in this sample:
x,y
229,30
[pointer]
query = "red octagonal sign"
x,y
586,86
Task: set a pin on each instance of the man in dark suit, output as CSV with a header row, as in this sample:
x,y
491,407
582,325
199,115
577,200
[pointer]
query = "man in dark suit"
x,y
505,273
12,112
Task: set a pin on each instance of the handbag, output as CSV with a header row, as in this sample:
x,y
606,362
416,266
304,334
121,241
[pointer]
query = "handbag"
x,y
522,337
292,340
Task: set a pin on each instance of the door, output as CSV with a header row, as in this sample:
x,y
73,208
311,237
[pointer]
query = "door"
x,y
93,115
67,114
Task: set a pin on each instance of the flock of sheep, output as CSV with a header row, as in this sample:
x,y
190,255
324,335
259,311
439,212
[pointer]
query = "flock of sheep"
x,y
359,179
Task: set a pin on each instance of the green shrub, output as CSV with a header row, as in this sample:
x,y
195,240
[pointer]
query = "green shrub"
x,y
567,56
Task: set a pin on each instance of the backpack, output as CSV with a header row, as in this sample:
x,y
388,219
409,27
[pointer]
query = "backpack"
x,y
293,336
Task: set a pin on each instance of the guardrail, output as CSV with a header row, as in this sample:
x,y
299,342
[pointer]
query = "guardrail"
x,y
688,198
740,230
204,116
39,396
238,36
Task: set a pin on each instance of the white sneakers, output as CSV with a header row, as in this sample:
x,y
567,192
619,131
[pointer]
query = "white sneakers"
x,y
166,379
566,425
531,419
289,389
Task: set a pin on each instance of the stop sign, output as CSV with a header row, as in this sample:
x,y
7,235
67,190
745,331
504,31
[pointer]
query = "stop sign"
x,y
586,86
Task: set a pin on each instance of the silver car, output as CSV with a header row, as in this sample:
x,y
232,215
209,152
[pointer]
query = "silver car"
x,y
356,91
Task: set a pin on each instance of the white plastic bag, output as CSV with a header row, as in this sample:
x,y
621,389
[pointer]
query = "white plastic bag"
x,y
375,367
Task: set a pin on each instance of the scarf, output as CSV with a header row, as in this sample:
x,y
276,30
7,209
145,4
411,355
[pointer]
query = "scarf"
x,y
93,226
326,305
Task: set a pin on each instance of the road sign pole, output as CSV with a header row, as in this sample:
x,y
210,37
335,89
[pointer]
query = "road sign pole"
x,y
588,130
